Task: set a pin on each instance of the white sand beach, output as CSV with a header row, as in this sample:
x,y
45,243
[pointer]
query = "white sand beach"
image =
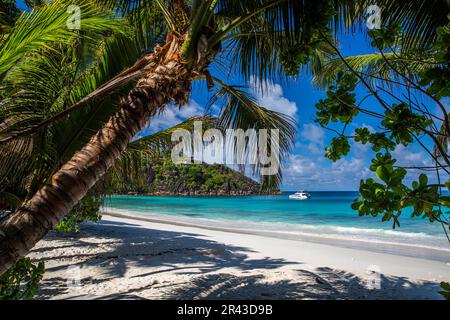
x,y
126,258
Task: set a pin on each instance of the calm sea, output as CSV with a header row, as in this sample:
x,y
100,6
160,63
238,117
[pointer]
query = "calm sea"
x,y
326,214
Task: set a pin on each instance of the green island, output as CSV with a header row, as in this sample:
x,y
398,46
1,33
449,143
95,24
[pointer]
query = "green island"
x,y
348,99
161,177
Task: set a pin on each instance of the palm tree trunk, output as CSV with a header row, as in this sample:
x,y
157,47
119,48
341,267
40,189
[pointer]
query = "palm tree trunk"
x,y
166,78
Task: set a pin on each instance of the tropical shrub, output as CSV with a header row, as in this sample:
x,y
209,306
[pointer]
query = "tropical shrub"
x,y
445,290
401,123
21,282
88,209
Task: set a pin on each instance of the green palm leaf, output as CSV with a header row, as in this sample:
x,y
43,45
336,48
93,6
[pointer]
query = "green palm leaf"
x,y
241,111
375,67
419,19
9,200
48,25
140,151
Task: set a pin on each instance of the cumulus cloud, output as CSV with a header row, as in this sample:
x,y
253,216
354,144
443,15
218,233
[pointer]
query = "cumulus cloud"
x,y
312,138
313,133
271,96
302,167
171,116
408,158
311,170
315,149
304,172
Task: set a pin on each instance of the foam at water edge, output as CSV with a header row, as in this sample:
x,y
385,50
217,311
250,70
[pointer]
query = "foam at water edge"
x,y
377,236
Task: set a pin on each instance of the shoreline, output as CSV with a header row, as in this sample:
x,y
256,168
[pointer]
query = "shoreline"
x,y
129,258
402,249
199,194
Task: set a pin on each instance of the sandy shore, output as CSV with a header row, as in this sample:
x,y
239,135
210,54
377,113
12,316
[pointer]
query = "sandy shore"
x,y
124,258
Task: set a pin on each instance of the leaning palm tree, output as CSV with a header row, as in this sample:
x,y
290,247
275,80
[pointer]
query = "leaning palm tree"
x,y
43,82
198,34
264,38
43,68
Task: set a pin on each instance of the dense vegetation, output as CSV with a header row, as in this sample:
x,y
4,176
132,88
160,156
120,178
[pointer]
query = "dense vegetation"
x,y
408,81
21,281
404,103
163,177
59,87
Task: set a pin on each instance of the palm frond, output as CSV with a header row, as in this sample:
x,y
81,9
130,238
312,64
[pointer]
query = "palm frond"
x,y
260,43
48,25
15,162
8,16
418,19
9,200
36,75
241,111
44,84
375,67
139,152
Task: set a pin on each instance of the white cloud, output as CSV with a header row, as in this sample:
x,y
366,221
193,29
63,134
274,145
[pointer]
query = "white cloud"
x,y
369,127
313,139
173,115
315,149
271,96
346,166
407,158
301,167
313,133
310,173
360,150
358,125
306,172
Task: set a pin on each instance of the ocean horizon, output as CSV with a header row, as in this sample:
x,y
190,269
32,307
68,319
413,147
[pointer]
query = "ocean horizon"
x,y
328,214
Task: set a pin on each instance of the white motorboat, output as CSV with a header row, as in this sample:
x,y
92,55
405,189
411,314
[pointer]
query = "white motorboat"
x,y
301,195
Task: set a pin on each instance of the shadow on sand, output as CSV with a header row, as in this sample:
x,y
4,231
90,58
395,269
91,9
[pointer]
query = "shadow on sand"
x,y
156,252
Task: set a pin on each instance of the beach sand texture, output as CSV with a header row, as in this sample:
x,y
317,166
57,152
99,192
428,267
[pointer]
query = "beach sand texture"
x,y
123,258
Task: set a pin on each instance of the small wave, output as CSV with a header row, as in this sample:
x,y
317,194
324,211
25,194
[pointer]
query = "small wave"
x,y
371,235
378,236
373,231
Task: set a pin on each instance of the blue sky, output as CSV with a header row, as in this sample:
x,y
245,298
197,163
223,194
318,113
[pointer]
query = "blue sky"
x,y
21,4
307,168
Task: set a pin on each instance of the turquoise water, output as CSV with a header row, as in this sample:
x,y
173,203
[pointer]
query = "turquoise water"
x,y
326,214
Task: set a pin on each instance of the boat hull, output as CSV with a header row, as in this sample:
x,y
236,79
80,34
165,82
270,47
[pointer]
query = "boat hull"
x,y
298,198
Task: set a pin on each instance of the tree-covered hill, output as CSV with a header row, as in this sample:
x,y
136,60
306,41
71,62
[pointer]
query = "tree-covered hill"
x,y
163,177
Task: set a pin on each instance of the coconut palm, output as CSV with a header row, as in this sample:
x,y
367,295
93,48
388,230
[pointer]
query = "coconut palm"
x,y
46,81
419,19
379,68
44,66
195,32
260,38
